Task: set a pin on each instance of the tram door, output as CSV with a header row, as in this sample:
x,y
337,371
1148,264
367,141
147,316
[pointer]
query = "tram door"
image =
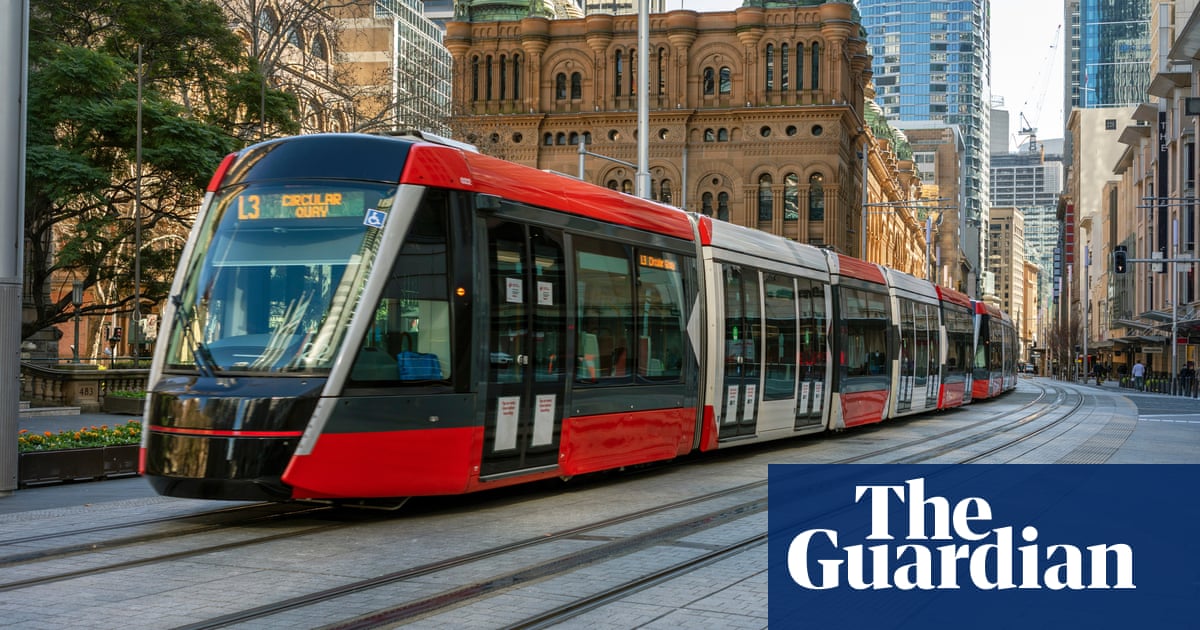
x,y
742,327
526,369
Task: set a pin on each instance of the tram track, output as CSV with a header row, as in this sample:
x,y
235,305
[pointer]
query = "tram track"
x,y
230,517
500,570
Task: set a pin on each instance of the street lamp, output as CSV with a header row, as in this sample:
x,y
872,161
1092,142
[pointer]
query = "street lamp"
x,y
77,300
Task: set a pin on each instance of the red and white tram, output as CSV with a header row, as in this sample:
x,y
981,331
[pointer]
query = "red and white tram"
x,y
373,317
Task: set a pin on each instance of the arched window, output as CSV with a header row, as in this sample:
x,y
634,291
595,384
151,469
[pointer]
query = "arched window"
x,y
722,135
267,20
816,197
503,76
561,138
723,206
612,184
709,136
662,71
706,206
726,81
765,201
573,139
548,139
516,72
816,66
665,191
618,70
791,197
319,49
487,71
710,83
633,70
475,78
783,68
769,62
627,187
576,86
587,137
799,67
560,86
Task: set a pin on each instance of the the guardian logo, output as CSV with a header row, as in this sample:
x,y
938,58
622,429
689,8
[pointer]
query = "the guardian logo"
x,y
948,547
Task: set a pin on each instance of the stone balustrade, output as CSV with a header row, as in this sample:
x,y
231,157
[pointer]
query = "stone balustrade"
x,y
83,386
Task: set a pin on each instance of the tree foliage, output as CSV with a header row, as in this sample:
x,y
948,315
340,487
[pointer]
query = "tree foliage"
x,y
81,178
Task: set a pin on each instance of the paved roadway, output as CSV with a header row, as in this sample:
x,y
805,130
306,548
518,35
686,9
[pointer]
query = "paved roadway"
x,y
1167,431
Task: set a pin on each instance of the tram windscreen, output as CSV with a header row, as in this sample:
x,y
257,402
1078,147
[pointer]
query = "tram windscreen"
x,y
276,274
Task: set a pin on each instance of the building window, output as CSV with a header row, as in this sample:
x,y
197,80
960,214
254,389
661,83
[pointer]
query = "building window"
x,y
709,136
576,86
816,197
723,206
503,76
726,86
783,68
765,201
770,64
665,191
706,204
618,70
662,71
560,86
722,135
709,82
799,67
475,78
548,139
487,72
791,197
816,66
516,71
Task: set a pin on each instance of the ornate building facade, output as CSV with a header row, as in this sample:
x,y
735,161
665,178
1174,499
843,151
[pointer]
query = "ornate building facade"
x,y
756,115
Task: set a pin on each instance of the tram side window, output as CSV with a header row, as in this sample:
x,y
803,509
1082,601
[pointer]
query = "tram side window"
x,y
812,330
604,316
865,316
409,337
958,339
780,337
660,315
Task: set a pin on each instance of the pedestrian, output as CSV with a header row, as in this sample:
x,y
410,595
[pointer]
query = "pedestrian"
x,y
1139,375
1187,378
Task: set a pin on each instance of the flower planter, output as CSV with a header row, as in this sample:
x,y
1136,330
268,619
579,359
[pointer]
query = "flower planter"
x,y
76,464
116,404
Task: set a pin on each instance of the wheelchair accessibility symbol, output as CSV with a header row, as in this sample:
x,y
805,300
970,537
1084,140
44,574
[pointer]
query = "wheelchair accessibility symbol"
x,y
375,218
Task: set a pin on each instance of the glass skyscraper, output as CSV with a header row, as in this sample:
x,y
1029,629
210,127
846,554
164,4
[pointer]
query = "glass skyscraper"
x,y
1109,63
931,63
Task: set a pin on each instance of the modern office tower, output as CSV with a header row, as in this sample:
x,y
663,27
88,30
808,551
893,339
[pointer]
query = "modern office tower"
x,y
1108,62
1032,182
420,66
931,62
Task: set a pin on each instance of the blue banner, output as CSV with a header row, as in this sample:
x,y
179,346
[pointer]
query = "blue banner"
x,y
984,546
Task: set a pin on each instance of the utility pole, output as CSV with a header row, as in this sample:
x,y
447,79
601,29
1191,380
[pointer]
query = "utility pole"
x,y
14,26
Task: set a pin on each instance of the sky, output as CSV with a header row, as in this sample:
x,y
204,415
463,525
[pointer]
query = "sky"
x,y
1027,66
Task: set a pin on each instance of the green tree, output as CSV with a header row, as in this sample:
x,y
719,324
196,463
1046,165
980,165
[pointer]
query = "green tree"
x,y
81,178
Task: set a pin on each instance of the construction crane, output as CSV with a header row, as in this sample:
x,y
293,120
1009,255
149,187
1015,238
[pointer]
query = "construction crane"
x,y
1029,130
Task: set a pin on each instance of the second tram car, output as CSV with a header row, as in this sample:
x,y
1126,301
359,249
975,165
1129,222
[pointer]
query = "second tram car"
x,y
995,370
362,317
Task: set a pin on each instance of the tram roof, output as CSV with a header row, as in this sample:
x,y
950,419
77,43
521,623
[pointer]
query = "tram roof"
x,y
432,164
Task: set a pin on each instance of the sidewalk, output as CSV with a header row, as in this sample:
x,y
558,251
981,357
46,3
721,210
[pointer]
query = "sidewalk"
x,y
78,494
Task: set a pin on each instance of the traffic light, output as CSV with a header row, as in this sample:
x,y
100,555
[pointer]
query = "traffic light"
x,y
1119,263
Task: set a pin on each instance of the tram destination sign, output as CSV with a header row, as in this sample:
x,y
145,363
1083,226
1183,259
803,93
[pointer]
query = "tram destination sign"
x,y
255,204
